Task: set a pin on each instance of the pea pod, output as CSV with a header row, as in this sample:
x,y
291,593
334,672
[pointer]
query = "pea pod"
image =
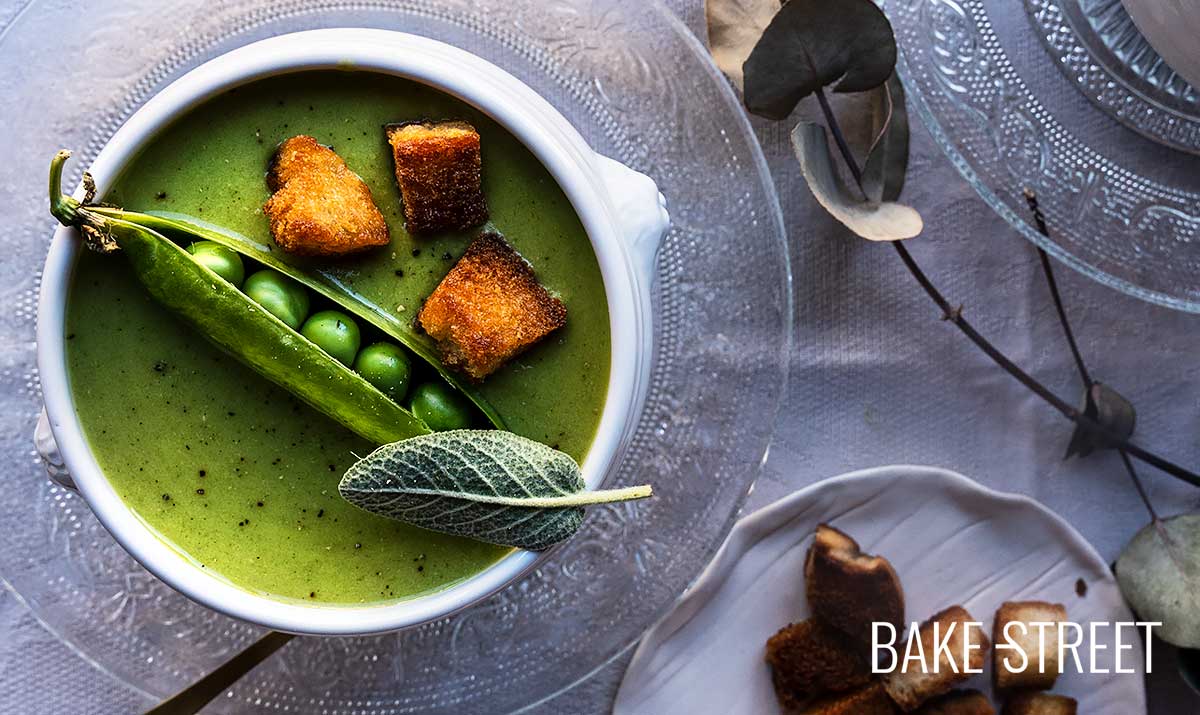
x,y
236,324
324,282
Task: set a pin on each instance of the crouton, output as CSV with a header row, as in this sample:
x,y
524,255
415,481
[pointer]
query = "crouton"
x,y
1040,664
439,170
911,684
319,206
809,658
489,308
958,702
1040,704
870,700
849,589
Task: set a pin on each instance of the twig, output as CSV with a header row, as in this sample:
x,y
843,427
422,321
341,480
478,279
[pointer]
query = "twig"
x,y
1048,270
839,138
954,315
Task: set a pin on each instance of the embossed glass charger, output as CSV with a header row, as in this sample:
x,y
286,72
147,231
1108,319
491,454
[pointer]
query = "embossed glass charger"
x,y
638,86
1098,47
1122,208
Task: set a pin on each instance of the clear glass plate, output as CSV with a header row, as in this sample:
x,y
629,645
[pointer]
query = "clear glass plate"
x,y
1098,47
640,88
1122,209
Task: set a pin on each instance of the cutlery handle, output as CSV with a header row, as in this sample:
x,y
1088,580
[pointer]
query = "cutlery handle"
x,y
200,693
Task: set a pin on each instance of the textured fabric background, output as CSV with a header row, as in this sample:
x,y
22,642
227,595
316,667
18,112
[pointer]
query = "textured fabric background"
x,y
876,379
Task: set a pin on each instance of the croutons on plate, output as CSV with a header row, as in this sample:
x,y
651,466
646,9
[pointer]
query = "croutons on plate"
x,y
319,206
849,589
489,308
958,702
870,700
911,686
1041,666
809,658
1040,704
440,172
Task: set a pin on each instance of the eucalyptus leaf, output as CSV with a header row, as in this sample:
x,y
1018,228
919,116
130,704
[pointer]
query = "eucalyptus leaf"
x,y
887,162
810,44
885,221
1108,407
489,485
1159,575
734,27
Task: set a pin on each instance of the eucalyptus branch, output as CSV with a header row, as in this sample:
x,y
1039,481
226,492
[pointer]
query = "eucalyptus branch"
x,y
1048,270
1040,220
954,315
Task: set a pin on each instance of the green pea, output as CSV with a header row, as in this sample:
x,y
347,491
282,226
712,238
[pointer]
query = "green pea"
x,y
222,260
440,407
385,366
334,332
278,295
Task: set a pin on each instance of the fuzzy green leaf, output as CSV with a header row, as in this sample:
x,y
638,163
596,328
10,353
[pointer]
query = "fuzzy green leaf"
x,y
885,221
1159,574
489,485
810,44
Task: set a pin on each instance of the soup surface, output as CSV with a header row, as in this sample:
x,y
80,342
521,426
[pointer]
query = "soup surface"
x,y
231,470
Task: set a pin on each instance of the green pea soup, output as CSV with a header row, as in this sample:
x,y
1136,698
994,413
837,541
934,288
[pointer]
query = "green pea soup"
x,y
235,473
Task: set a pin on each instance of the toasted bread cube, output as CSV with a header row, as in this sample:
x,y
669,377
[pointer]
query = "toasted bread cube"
x,y
810,658
319,206
958,702
869,700
440,173
1040,704
489,308
849,589
1041,666
910,685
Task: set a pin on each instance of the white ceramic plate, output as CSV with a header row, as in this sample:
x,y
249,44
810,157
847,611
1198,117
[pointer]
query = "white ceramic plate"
x,y
950,539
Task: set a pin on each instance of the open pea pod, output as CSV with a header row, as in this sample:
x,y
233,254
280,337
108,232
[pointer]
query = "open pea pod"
x,y
320,280
236,324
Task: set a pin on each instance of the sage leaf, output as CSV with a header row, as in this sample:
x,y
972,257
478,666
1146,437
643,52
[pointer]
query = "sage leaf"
x,y
887,162
489,485
734,27
1159,575
1108,407
884,221
810,44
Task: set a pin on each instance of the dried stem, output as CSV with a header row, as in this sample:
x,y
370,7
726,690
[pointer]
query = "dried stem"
x,y
954,315
1048,270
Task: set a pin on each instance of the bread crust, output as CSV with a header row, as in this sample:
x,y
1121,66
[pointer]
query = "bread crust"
x,y
439,168
489,308
869,700
1040,704
319,206
809,659
1043,658
958,702
912,686
849,589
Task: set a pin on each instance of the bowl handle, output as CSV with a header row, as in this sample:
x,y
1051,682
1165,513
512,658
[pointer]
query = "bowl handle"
x,y
47,449
641,212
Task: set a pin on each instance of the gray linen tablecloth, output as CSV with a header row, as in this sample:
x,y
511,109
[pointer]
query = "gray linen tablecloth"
x,y
877,379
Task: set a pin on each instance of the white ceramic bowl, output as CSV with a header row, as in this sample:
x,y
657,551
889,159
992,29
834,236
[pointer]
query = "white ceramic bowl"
x,y
622,211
